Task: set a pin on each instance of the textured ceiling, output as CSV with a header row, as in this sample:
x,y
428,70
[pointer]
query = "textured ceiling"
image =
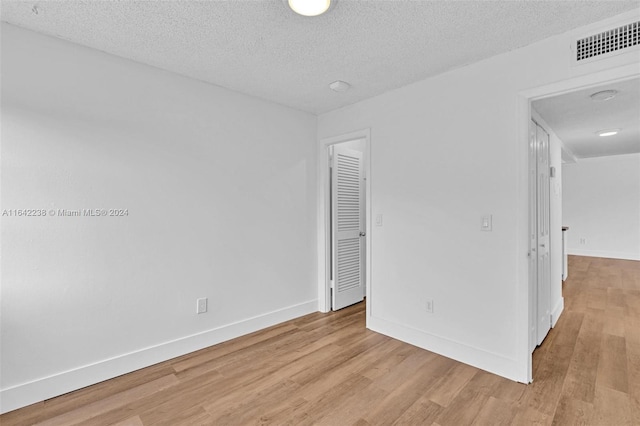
x,y
575,118
263,49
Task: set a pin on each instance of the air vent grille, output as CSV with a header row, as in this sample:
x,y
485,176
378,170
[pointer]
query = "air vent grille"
x,y
608,41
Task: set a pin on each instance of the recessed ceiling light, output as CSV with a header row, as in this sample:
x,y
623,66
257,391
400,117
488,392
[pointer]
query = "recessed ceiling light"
x,y
604,95
339,86
609,132
310,7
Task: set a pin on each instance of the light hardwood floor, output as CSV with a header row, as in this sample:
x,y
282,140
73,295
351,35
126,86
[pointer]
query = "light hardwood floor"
x,y
328,369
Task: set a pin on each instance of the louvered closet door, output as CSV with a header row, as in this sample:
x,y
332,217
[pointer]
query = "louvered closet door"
x,y
347,193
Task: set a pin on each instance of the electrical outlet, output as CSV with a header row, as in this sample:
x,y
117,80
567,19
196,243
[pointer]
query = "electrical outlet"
x,y
583,241
429,306
201,305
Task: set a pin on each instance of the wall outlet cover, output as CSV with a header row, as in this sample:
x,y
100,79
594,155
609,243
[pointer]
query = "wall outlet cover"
x,y
201,305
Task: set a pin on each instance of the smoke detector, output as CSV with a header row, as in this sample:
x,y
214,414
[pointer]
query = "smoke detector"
x,y
604,95
339,86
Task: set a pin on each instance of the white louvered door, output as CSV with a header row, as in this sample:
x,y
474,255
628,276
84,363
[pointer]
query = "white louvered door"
x,y
347,193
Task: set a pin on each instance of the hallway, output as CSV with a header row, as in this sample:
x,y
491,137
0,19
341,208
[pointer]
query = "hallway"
x,y
588,368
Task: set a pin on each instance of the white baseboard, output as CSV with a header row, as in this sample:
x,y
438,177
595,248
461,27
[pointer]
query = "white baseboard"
x,y
557,311
488,361
48,387
605,254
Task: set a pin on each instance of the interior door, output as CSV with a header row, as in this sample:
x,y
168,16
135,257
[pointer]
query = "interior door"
x,y
543,218
347,192
533,235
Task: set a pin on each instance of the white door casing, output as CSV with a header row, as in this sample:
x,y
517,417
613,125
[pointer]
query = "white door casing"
x,y
347,227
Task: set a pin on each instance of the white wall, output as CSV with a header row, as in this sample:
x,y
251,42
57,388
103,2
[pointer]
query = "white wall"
x,y
220,191
602,205
358,145
445,151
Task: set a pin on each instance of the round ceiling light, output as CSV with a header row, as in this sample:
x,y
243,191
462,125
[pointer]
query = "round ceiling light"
x,y
604,95
310,7
605,133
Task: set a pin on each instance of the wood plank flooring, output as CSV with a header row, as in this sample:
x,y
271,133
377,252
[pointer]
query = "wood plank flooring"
x,y
327,369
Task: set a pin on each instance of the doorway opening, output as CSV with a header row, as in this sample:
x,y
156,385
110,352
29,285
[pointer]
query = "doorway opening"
x,y
530,337
594,194
347,234
344,237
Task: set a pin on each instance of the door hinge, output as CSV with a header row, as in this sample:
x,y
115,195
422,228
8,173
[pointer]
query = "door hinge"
x,y
331,284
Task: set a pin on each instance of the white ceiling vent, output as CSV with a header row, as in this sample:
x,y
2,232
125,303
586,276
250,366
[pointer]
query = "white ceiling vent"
x,y
607,43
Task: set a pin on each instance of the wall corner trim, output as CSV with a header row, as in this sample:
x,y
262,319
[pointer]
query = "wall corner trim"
x,y
38,390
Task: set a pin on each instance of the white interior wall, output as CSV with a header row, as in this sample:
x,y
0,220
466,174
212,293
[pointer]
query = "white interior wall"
x,y
444,152
357,145
602,206
221,198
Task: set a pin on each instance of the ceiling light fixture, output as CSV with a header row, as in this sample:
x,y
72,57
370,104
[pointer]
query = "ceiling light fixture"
x,y
339,86
310,7
604,95
610,132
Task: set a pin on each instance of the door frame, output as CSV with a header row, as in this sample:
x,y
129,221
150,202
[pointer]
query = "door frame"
x,y
524,99
324,216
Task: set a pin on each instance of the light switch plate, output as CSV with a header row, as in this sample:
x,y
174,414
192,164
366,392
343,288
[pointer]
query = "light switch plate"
x,y
379,220
485,223
429,306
